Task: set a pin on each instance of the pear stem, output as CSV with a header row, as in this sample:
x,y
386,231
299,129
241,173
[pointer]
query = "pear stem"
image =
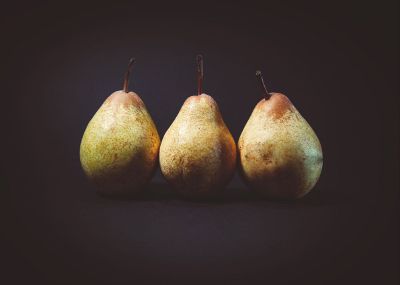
x,y
127,73
200,73
262,84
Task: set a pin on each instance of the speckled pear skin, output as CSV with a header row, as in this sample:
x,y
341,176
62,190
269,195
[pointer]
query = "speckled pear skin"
x,y
119,149
280,155
198,153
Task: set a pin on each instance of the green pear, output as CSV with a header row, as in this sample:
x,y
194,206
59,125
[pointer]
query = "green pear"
x,y
280,154
119,148
198,153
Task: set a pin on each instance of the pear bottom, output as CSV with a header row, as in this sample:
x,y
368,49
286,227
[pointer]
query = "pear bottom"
x,y
281,170
126,175
200,186
122,183
200,172
287,182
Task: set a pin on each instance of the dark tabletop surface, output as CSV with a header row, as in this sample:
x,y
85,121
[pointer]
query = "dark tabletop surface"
x,y
337,62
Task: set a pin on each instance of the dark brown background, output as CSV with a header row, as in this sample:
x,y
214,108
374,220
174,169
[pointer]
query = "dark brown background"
x,y
338,63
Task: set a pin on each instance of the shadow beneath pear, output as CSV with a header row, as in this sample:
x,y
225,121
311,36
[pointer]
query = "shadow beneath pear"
x,y
231,195
152,192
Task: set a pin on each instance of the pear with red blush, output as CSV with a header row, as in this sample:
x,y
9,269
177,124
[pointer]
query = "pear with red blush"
x,y
280,154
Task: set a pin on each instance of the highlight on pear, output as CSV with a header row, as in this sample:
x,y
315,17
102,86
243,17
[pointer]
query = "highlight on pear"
x,y
119,148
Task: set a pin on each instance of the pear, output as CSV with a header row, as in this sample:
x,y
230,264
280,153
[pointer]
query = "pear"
x,y
280,155
198,153
119,148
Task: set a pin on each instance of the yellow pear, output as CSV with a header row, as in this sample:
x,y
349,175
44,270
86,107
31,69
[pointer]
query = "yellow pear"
x,y
119,148
198,153
280,155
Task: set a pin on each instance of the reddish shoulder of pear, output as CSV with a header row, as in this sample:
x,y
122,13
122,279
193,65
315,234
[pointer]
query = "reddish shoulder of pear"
x,y
121,97
276,105
204,98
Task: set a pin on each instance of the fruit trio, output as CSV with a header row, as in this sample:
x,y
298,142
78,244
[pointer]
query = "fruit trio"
x,y
279,154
